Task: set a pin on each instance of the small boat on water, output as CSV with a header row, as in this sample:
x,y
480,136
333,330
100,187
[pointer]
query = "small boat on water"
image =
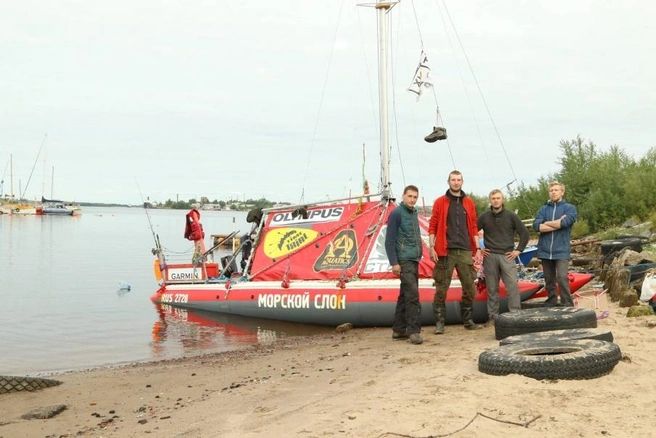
x,y
21,208
320,263
60,208
57,209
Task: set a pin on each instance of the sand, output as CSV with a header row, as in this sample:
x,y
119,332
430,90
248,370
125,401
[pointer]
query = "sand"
x,y
354,384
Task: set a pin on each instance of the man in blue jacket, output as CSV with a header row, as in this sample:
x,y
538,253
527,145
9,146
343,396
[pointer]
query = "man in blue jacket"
x,y
404,250
554,221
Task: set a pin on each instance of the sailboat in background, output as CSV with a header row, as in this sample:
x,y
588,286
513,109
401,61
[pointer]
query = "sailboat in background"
x,y
10,205
57,207
320,263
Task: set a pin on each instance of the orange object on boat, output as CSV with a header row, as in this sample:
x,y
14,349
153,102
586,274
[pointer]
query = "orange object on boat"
x,y
157,270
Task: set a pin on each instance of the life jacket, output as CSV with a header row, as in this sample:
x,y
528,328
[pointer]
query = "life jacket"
x,y
193,227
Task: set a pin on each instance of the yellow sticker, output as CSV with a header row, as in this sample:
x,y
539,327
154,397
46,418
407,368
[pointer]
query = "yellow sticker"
x,y
281,241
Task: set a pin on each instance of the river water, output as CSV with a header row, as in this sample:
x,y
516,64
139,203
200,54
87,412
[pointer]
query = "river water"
x,y
66,306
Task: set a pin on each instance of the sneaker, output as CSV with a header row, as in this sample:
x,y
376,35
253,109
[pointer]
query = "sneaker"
x,y
416,339
398,335
438,133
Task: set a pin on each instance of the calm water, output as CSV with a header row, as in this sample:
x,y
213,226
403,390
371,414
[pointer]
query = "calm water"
x,y
63,307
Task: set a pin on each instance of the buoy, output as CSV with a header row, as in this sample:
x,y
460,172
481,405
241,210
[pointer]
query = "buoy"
x,y
157,270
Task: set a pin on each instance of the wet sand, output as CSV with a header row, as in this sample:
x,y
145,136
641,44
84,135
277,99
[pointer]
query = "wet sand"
x,y
354,384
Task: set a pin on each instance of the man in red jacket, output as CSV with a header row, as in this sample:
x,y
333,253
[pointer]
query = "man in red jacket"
x,y
453,234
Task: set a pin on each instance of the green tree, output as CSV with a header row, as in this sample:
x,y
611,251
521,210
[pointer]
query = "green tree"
x,y
607,187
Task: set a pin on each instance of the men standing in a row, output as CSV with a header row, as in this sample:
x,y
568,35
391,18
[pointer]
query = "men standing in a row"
x,y
500,226
554,221
453,234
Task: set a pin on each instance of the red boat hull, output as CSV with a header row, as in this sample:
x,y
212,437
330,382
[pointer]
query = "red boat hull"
x,y
362,303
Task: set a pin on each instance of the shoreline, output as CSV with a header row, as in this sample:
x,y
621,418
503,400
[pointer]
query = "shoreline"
x,y
356,384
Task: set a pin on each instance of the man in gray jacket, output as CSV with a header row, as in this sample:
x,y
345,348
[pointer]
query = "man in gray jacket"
x,y
554,221
500,226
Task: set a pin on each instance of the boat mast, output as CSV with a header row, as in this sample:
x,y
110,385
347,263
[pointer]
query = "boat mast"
x,y
11,176
382,7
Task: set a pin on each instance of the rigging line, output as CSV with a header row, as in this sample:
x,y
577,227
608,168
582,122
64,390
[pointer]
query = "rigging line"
x,y
439,116
414,11
2,181
45,137
396,124
369,88
417,147
323,93
366,69
467,97
480,91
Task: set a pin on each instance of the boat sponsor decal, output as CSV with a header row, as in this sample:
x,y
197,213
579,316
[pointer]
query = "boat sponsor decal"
x,y
282,241
377,261
186,273
340,253
302,301
175,298
319,215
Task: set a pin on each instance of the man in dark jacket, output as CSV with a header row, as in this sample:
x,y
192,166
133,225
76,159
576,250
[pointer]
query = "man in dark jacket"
x,y
404,251
500,226
554,221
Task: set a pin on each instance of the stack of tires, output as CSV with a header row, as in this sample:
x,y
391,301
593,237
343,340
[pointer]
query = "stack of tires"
x,y
550,343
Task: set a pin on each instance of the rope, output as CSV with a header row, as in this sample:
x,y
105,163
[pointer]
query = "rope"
x,y
323,93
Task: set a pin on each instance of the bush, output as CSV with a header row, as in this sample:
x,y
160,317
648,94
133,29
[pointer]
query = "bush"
x,y
580,229
652,221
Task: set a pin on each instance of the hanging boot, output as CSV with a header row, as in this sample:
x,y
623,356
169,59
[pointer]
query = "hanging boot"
x,y
467,319
440,317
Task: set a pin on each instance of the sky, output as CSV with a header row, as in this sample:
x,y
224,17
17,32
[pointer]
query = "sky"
x,y
135,100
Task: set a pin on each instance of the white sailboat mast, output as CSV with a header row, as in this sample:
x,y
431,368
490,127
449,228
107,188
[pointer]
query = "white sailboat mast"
x,y
11,176
382,7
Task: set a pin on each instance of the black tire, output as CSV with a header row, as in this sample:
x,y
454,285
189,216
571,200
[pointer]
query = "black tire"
x,y
542,320
580,359
558,335
534,304
19,383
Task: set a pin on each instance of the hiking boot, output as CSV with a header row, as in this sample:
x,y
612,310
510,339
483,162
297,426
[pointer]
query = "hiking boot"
x,y
440,317
551,302
398,335
467,320
438,133
416,339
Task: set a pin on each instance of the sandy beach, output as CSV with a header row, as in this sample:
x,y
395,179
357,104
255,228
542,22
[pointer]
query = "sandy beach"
x,y
354,384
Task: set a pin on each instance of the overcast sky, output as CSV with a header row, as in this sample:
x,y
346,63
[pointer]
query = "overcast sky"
x,y
275,99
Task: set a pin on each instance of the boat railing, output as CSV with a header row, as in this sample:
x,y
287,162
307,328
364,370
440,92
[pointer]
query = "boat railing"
x,y
320,203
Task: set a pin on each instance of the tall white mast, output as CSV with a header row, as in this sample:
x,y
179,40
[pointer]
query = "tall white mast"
x,y
382,7
11,176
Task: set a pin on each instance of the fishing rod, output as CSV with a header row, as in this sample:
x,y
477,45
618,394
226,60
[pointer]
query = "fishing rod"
x,y
158,248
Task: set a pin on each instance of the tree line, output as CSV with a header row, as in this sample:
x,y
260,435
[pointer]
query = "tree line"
x,y
607,187
231,204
